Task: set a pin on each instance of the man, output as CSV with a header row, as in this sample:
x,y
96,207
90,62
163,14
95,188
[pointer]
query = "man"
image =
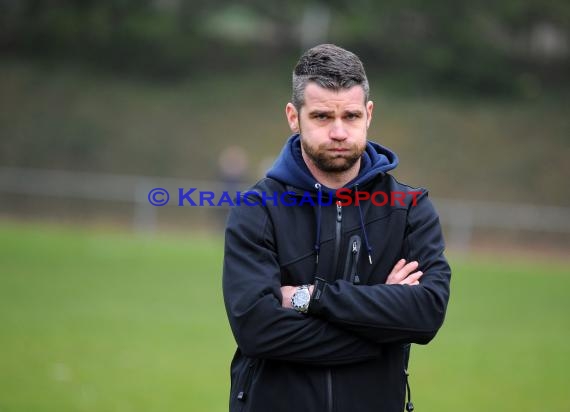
x,y
332,267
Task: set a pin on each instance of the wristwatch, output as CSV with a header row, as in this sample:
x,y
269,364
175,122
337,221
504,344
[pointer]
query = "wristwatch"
x,y
301,299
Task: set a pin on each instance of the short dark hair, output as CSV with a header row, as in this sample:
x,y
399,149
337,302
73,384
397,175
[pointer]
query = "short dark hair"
x,y
329,66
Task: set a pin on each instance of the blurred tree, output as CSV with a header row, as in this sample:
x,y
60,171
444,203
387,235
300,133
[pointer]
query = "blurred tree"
x,y
487,47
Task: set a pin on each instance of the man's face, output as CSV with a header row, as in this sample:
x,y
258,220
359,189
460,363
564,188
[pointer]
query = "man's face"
x,y
333,126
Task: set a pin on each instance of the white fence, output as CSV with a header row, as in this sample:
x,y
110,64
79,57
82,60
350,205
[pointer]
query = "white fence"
x,y
460,217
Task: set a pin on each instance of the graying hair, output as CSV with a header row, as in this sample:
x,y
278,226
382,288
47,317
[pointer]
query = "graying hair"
x,y
328,66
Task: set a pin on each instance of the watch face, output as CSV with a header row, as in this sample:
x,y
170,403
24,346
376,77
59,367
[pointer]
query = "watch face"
x,y
301,298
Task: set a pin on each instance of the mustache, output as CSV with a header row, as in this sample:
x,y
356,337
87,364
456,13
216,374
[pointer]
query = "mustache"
x,y
338,147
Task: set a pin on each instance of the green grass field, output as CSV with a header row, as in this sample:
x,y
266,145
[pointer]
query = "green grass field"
x,y
94,320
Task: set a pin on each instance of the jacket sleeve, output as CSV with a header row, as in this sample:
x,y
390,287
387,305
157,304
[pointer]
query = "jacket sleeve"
x,y
395,313
252,295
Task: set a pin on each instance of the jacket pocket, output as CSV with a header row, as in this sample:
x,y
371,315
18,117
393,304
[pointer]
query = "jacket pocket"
x,y
351,266
245,382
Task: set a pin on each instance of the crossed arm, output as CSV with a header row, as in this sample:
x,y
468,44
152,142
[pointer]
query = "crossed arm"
x,y
402,274
347,323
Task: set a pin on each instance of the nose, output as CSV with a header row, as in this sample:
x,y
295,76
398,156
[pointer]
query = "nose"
x,y
338,131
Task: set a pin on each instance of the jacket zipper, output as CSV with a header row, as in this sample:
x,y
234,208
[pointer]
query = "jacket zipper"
x,y
351,265
329,391
338,235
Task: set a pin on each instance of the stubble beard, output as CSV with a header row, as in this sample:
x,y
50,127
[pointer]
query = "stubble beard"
x,y
331,162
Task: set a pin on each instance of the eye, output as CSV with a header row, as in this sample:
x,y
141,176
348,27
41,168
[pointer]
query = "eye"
x,y
352,116
320,116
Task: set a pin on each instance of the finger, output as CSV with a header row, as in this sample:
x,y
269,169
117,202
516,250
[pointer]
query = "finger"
x,y
402,273
414,277
398,266
407,269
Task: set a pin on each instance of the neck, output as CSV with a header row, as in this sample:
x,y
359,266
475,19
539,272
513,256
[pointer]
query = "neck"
x,y
330,179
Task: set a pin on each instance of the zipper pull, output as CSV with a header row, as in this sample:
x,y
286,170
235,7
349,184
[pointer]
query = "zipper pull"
x,y
356,280
338,211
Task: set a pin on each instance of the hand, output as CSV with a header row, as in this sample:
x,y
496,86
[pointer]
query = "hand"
x,y
287,293
403,274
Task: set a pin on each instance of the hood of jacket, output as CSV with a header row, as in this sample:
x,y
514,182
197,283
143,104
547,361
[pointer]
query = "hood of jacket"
x,y
290,168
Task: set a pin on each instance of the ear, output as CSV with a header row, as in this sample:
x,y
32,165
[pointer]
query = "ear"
x,y
292,117
369,110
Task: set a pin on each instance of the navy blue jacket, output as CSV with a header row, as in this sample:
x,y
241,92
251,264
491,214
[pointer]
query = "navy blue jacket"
x,y
349,352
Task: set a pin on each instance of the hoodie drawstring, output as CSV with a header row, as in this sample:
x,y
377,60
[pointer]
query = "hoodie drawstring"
x,y
363,227
317,246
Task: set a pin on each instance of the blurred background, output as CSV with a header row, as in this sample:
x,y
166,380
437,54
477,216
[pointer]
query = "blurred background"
x,y
110,304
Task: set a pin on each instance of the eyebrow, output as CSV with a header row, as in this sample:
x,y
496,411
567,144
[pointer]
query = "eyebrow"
x,y
331,112
319,112
354,112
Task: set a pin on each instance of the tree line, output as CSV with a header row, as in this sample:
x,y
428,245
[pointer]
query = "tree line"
x,y
510,46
